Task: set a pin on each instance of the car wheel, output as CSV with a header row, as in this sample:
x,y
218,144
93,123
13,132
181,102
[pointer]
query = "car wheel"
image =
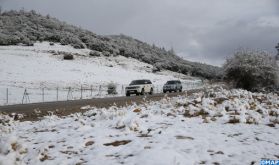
x,y
164,91
142,91
137,94
151,91
127,94
180,90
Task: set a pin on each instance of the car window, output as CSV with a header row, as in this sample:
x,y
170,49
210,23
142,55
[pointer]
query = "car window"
x,y
137,82
171,82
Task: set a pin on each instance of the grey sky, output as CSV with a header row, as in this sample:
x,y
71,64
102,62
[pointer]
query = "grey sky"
x,y
199,30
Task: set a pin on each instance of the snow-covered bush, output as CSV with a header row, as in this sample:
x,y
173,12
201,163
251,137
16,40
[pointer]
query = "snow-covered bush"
x,y
95,53
68,56
251,70
72,40
112,89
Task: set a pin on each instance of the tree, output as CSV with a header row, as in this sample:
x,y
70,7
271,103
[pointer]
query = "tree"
x,y
251,70
171,51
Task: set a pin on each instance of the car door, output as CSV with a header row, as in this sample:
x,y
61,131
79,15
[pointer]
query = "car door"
x,y
146,86
179,85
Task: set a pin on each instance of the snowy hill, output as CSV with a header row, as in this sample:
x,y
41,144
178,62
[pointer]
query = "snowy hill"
x,y
42,66
28,27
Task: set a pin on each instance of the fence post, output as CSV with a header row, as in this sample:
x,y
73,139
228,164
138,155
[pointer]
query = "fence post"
x,y
25,97
43,94
91,90
100,90
81,92
69,94
57,94
7,96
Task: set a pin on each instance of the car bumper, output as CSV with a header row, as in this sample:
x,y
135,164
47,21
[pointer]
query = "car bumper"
x,y
132,91
169,88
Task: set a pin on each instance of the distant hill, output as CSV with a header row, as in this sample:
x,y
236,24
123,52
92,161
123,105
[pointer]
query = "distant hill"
x,y
28,27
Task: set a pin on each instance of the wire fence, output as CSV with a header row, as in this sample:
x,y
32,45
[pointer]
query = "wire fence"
x,y
20,95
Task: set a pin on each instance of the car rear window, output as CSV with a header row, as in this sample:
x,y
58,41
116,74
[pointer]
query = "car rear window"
x,y
171,82
139,82
149,82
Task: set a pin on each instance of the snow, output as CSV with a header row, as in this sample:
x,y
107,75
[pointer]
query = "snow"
x,y
37,67
195,129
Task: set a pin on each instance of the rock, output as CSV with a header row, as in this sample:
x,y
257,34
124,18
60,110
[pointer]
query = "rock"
x,y
171,114
220,100
180,137
106,53
220,152
233,120
95,53
147,147
137,110
118,143
155,69
68,57
89,143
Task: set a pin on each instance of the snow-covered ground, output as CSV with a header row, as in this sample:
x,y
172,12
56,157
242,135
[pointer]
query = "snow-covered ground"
x,y
42,66
212,127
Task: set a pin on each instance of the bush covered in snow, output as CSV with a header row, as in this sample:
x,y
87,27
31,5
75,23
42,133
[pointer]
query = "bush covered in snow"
x,y
27,27
112,89
95,53
68,56
251,70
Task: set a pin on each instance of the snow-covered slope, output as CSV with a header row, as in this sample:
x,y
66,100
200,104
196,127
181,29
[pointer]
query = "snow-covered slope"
x,y
217,127
37,67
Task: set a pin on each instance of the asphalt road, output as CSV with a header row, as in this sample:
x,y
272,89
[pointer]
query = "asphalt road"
x,y
62,108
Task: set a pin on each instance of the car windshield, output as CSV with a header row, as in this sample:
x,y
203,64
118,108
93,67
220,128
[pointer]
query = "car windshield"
x,y
171,82
137,82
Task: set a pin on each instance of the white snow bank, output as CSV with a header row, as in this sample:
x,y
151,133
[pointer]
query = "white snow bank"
x,y
170,131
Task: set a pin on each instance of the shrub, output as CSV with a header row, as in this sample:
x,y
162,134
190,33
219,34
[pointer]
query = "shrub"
x,y
68,57
106,53
251,70
155,69
111,89
95,53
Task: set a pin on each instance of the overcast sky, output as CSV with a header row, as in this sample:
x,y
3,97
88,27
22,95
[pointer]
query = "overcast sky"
x,y
199,30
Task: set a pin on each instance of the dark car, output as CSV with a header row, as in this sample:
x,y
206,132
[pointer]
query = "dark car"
x,y
173,85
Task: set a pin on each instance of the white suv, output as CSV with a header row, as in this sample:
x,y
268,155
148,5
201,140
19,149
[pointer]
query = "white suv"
x,y
139,87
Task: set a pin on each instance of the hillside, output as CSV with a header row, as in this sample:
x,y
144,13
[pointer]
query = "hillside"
x,y
42,66
27,27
